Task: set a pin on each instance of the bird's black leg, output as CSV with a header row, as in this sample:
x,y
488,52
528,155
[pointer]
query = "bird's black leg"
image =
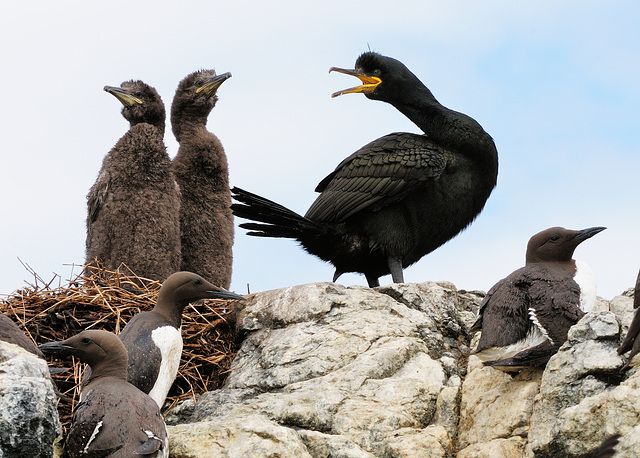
x,y
395,266
372,280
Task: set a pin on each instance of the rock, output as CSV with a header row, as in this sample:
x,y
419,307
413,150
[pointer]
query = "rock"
x,y
328,371
511,448
347,372
29,421
586,365
496,404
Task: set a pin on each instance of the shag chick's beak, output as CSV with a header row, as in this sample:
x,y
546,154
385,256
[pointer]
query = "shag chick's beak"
x,y
54,347
121,94
369,83
585,234
211,86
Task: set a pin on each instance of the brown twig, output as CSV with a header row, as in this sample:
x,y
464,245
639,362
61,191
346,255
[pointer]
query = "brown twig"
x,y
103,299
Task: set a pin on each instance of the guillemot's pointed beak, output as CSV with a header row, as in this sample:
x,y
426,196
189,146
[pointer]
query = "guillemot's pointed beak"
x,y
227,295
55,347
211,86
585,234
123,96
369,83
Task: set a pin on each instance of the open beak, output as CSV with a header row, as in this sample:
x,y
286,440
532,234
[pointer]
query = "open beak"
x,y
369,83
211,86
121,94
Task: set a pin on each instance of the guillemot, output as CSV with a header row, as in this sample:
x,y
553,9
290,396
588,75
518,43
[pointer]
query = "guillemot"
x,y
114,418
526,316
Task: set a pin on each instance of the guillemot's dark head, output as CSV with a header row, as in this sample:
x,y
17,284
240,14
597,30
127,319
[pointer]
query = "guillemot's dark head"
x,y
101,350
557,244
185,287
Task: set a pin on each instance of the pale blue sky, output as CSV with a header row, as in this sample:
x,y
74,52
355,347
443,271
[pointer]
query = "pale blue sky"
x,y
554,83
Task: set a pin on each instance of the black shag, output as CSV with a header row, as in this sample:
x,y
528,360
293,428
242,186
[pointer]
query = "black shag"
x,y
133,207
202,173
397,198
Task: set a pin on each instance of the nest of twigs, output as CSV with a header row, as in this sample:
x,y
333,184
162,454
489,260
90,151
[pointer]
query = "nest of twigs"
x,y
103,299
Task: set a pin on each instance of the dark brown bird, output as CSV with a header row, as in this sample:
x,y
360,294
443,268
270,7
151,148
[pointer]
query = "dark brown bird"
x,y
526,316
202,173
114,418
153,339
10,332
397,198
133,207
632,339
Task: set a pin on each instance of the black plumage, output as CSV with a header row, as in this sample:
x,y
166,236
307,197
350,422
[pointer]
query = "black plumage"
x,y
632,339
114,418
397,198
526,316
202,173
133,206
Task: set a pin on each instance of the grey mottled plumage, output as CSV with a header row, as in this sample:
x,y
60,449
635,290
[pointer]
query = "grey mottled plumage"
x,y
114,418
526,316
202,173
397,198
133,207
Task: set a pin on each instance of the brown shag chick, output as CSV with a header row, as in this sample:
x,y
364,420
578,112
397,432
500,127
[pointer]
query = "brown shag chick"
x,y
114,418
397,198
201,170
133,207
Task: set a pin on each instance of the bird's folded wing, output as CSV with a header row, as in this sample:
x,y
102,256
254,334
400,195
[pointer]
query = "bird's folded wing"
x,y
555,306
97,194
381,172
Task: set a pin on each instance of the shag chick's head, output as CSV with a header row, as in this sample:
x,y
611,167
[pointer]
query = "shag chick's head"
x,y
383,78
197,93
141,103
557,244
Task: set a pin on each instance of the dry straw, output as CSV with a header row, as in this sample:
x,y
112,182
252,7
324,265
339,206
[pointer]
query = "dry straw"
x,y
103,299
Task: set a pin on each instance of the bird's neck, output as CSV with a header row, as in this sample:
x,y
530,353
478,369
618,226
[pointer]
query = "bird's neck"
x,y
170,309
116,368
446,127
158,124
185,126
569,266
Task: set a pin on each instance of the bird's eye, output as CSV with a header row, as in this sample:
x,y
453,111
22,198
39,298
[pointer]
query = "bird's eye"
x,y
197,282
555,238
86,340
376,72
199,82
